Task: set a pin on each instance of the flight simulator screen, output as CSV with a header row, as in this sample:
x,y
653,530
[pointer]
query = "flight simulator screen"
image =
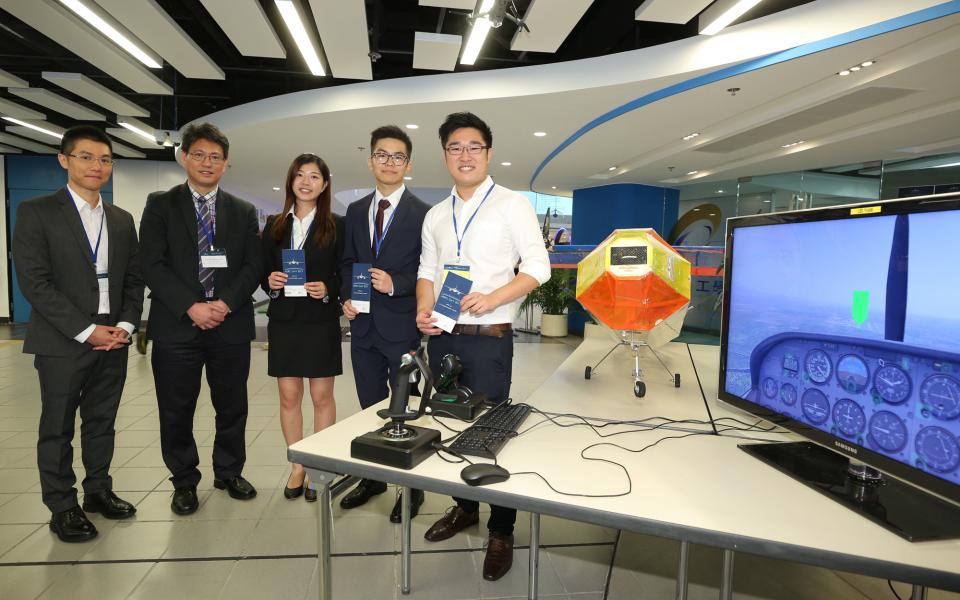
x,y
851,326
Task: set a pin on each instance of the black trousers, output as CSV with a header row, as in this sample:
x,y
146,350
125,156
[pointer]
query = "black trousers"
x,y
177,368
488,369
375,363
92,383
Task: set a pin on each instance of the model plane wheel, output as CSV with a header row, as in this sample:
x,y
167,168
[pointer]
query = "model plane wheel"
x,y
587,372
639,389
676,380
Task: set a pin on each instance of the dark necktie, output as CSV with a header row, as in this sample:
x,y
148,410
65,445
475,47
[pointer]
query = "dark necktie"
x,y
381,208
204,225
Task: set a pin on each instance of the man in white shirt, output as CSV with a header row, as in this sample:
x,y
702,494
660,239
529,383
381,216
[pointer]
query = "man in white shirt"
x,y
483,231
77,263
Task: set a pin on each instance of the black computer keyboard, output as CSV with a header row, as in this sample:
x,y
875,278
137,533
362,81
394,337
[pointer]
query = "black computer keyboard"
x,y
491,431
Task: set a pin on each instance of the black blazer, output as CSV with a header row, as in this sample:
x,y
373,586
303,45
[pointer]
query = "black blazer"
x,y
168,249
394,316
322,265
51,254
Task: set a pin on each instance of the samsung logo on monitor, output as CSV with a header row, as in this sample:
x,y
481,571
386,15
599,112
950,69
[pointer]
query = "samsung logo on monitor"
x,y
845,447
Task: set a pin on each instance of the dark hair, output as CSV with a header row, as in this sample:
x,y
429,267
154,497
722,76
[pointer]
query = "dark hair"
x,y
325,228
204,131
83,132
391,132
460,120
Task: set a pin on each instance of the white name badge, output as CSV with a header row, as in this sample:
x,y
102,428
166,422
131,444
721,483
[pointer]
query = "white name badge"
x,y
213,259
103,282
294,291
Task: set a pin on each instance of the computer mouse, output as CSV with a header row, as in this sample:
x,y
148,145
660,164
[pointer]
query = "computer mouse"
x,y
484,474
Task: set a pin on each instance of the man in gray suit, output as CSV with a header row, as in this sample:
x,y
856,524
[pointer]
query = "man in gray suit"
x,y
77,261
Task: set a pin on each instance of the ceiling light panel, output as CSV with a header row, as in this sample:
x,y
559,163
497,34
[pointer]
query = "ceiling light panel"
x,y
8,80
60,24
670,11
35,130
139,128
346,42
247,26
723,12
57,103
12,109
19,142
149,22
96,18
9,150
129,136
127,152
550,22
88,89
436,51
297,27
476,36
457,4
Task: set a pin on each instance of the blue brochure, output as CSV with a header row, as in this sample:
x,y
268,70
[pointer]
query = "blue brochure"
x,y
360,290
447,308
295,266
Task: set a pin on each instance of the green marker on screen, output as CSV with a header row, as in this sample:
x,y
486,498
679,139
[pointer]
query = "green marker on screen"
x,y
861,305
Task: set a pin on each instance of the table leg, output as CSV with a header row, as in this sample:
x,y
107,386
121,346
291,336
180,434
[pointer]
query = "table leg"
x,y
682,570
919,592
320,481
726,583
534,555
405,509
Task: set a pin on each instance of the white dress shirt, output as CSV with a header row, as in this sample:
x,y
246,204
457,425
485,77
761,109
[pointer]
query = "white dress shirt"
x,y
393,199
301,226
94,221
504,232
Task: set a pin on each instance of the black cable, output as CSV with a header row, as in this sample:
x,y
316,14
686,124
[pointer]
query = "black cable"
x,y
890,583
702,394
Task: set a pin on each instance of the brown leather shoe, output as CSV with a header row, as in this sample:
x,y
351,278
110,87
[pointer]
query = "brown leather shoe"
x,y
499,557
454,521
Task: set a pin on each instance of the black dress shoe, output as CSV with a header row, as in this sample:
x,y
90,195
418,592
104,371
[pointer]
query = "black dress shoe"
x,y
310,494
414,506
366,489
72,526
291,493
238,487
185,500
108,504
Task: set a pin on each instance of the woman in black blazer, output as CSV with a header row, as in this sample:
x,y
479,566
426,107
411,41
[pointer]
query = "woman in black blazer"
x,y
304,332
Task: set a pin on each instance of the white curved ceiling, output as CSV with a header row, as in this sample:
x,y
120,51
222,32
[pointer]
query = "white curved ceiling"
x,y
909,98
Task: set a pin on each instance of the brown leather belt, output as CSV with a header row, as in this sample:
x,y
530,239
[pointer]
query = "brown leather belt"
x,y
497,330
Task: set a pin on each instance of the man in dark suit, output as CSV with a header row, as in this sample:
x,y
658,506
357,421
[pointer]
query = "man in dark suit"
x,y
202,261
77,263
383,229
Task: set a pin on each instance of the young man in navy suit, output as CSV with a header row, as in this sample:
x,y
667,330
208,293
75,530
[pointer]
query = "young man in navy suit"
x,y
383,229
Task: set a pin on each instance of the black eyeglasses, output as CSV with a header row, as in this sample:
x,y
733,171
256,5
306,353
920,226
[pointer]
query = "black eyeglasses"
x,y
105,161
198,156
471,150
398,159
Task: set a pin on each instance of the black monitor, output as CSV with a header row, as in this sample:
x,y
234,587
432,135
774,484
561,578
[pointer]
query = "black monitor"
x,y
842,324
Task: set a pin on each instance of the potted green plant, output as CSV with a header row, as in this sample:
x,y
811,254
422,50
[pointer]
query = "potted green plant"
x,y
554,298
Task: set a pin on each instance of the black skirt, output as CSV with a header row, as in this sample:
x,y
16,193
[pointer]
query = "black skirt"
x,y
304,348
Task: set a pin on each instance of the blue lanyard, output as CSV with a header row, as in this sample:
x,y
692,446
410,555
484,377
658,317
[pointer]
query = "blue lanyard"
x,y
377,241
453,206
95,250
206,232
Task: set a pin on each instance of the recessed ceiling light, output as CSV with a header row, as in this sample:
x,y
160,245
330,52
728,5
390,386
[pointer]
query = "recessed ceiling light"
x,y
768,201
553,187
792,144
276,189
613,168
539,133
412,126
719,192
34,127
696,210
506,164
690,136
856,68
407,178
867,63
692,172
844,73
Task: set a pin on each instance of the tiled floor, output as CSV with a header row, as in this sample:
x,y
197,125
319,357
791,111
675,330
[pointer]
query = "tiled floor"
x,y
263,548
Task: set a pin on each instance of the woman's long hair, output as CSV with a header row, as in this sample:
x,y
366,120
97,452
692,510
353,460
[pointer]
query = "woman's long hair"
x,y
324,228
